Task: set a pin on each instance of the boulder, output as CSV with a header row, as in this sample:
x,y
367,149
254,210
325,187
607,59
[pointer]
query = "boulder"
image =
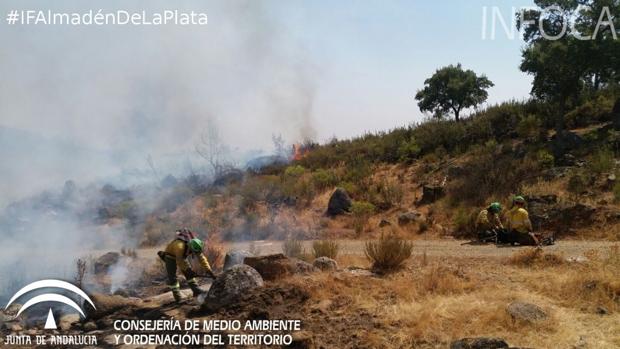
x,y
302,267
479,343
325,264
384,223
339,203
526,312
230,285
103,263
431,193
272,267
410,217
235,257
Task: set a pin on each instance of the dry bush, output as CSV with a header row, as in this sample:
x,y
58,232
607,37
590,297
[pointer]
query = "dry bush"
x,y
586,285
80,271
439,279
214,252
388,253
325,248
535,257
293,248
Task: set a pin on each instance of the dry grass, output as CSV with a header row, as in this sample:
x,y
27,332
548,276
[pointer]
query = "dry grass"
x,y
535,257
429,305
325,248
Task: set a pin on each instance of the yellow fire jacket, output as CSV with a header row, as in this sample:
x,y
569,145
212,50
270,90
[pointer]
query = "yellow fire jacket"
x,y
518,219
487,220
180,251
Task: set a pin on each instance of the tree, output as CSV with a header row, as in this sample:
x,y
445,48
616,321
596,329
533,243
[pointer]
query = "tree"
x,y
213,150
571,48
452,89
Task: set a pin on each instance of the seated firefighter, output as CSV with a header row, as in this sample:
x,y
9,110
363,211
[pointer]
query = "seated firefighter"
x,y
488,223
185,245
518,224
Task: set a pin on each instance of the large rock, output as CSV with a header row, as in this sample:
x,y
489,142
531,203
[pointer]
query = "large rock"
x,y
230,285
103,263
410,217
526,312
302,267
325,264
339,203
546,212
272,267
431,193
235,257
479,343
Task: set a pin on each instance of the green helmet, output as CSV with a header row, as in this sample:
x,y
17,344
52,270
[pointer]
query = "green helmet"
x,y
518,200
495,207
196,245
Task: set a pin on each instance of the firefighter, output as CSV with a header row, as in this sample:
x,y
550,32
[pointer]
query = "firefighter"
x,y
185,245
488,223
519,224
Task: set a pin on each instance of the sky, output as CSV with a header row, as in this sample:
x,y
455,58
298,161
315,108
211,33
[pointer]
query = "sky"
x,y
303,69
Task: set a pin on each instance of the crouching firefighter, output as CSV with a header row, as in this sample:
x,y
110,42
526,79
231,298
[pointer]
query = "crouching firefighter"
x,y
186,244
488,223
519,225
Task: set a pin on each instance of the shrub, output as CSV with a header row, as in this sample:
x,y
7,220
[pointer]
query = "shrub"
x,y
388,253
545,159
361,211
293,248
408,151
387,194
592,111
602,161
294,171
325,248
324,179
529,127
463,221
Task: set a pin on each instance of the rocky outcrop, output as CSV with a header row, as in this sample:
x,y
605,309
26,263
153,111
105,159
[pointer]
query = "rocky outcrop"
x,y
526,312
431,193
103,263
479,343
272,267
235,257
546,212
231,285
339,203
325,264
410,217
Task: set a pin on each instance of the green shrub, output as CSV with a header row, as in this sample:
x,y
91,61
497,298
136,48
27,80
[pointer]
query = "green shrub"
x,y
602,161
463,221
408,151
325,248
592,111
293,248
361,212
388,253
324,179
294,171
529,127
545,158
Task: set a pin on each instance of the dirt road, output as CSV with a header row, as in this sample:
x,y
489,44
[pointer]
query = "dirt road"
x,y
444,248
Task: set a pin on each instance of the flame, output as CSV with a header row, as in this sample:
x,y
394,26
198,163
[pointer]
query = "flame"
x,y
298,152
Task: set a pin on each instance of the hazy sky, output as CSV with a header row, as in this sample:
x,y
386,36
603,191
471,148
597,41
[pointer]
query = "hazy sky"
x,y
312,68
